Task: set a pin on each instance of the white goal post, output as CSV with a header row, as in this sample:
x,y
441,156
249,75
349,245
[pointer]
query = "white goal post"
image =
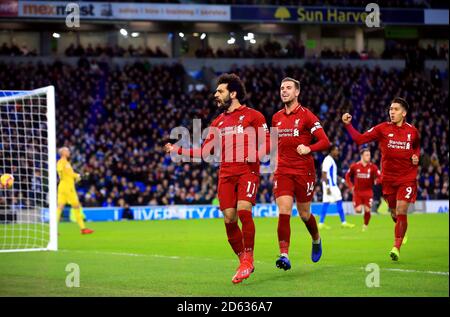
x,y
28,220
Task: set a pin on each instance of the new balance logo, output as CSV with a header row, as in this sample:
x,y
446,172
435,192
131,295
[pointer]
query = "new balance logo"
x,y
279,123
220,123
390,135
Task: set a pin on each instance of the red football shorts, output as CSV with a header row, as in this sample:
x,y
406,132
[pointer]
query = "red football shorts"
x,y
299,186
393,192
234,188
362,199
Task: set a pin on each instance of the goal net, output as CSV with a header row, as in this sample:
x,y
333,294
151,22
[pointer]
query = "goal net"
x,y
28,219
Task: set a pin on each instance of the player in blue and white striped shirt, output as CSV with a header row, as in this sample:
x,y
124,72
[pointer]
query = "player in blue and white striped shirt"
x,y
330,188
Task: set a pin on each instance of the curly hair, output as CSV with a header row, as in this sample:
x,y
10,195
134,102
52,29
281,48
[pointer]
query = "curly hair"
x,y
234,83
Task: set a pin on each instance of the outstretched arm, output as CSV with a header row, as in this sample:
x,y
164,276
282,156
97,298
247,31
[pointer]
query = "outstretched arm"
x,y
206,148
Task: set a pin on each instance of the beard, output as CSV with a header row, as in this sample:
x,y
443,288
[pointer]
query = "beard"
x,y
225,104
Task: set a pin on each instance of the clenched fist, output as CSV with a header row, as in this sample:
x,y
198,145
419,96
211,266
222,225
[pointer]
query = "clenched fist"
x,y
346,118
168,147
303,149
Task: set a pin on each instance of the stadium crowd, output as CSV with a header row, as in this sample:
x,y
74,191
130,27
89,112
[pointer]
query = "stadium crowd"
x,y
114,51
116,121
268,49
16,50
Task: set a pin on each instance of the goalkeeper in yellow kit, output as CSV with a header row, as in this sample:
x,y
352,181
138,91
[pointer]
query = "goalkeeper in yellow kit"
x,y
66,188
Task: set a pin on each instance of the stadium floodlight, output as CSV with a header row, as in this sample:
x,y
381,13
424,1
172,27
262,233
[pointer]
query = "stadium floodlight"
x,y
249,37
28,220
56,35
253,41
231,40
123,32
181,34
135,34
203,36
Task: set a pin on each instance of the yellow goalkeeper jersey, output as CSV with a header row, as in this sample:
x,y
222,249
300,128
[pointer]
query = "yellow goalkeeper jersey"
x,y
67,177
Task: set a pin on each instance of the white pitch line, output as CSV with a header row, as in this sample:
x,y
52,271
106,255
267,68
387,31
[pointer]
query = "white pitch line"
x,y
145,255
415,271
412,271
123,254
209,259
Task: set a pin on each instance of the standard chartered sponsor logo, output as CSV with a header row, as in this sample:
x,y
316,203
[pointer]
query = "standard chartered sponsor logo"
x,y
401,145
287,132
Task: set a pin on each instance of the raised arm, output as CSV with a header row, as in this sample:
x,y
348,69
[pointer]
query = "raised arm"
x,y
369,136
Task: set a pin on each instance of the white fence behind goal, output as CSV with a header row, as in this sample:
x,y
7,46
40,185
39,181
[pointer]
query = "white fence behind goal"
x,y
28,152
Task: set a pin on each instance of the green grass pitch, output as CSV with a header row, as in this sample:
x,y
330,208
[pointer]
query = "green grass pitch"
x,y
193,258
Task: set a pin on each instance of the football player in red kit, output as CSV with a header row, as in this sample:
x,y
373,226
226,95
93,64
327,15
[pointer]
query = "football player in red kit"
x,y
239,167
399,142
295,175
360,178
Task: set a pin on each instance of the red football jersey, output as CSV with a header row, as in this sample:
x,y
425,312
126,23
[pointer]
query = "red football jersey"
x,y
362,177
239,145
298,127
397,144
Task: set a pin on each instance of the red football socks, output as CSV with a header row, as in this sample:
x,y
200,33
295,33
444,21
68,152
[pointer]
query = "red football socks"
x,y
366,218
235,237
248,231
284,232
400,230
311,225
